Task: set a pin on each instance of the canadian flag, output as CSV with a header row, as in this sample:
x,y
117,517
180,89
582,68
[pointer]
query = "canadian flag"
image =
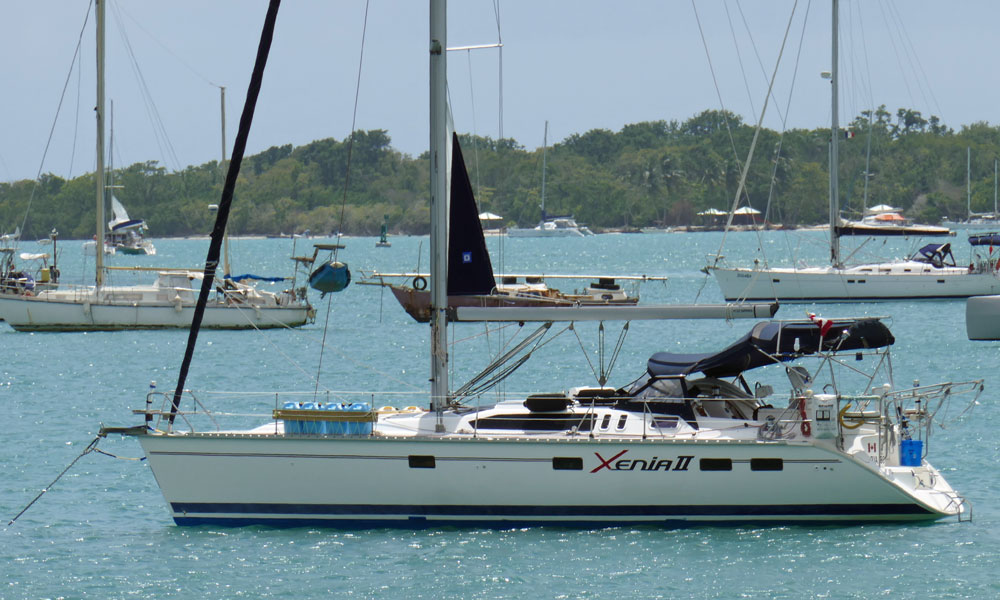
x,y
824,324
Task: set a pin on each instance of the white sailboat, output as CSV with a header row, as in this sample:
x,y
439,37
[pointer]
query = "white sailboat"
x,y
931,272
687,441
551,225
127,235
168,303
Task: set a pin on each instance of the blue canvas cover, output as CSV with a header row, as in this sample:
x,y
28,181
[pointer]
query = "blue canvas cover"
x,y
774,340
985,239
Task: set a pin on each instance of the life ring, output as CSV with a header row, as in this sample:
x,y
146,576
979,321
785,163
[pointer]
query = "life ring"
x,y
806,426
28,293
419,283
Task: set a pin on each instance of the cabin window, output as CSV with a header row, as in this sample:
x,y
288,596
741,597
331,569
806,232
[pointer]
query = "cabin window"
x,y
906,270
775,281
421,462
766,464
666,423
716,464
537,422
940,280
567,463
621,421
606,421
850,281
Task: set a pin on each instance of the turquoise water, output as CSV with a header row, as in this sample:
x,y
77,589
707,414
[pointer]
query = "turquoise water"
x,y
103,531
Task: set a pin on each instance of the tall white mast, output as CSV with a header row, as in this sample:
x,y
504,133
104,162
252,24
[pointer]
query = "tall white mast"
x,y
968,181
834,158
99,173
439,207
545,145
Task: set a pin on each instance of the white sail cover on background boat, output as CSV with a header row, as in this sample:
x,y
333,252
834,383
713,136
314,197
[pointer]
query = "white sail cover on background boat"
x,y
120,219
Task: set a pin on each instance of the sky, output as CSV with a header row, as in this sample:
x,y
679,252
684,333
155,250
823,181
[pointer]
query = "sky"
x,y
578,64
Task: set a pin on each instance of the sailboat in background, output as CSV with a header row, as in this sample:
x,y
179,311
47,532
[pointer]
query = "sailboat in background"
x,y
688,440
551,225
168,303
471,281
127,235
930,272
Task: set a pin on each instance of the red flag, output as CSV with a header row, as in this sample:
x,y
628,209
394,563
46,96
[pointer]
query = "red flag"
x,y
824,324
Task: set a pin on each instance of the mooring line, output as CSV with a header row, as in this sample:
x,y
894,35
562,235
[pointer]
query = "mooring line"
x,y
91,447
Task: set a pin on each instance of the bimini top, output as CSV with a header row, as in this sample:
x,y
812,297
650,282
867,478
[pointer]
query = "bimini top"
x,y
936,254
775,341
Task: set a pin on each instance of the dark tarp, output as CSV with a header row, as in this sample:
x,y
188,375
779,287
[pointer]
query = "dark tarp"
x,y
772,340
985,239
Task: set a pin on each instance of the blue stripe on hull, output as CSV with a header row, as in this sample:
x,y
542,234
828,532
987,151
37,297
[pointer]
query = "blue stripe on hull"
x,y
850,299
366,515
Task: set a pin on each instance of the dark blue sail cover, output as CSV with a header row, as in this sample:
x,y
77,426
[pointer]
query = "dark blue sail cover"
x,y
775,340
470,272
985,239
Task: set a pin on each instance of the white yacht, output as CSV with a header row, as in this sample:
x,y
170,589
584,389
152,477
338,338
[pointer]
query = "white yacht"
x,y
688,440
551,225
168,302
914,277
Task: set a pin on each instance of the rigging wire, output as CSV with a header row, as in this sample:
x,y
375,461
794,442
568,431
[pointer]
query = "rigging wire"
x,y
183,62
475,136
739,56
746,167
159,129
347,181
909,49
760,62
76,119
48,142
718,91
784,118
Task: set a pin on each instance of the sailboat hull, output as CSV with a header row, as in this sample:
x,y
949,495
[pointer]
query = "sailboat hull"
x,y
546,233
899,280
982,318
273,479
36,313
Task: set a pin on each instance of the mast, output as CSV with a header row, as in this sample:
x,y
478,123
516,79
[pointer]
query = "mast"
x,y
868,162
968,182
834,159
439,209
99,172
222,165
545,145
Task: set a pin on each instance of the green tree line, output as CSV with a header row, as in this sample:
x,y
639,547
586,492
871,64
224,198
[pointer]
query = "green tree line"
x,y
650,173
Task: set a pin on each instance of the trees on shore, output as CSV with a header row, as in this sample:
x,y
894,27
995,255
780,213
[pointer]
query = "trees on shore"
x,y
652,173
